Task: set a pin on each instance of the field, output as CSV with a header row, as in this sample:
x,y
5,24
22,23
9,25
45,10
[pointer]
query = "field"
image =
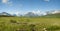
x,y
29,24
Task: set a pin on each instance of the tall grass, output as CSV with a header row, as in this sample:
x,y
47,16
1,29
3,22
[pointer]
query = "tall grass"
x,y
29,24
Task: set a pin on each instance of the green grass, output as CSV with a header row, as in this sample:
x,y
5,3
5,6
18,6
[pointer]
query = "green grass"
x,y
29,24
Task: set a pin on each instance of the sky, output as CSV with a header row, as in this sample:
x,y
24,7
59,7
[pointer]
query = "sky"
x,y
24,6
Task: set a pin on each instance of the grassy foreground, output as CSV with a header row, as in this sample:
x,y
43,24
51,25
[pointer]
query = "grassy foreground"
x,y
29,24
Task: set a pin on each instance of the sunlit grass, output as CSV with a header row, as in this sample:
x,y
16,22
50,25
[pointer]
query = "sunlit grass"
x,y
38,24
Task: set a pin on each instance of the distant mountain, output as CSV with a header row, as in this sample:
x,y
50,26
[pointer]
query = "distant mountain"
x,y
31,14
56,12
54,15
53,12
14,15
5,14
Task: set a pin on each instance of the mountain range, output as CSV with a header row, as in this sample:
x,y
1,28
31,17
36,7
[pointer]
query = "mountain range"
x,y
31,14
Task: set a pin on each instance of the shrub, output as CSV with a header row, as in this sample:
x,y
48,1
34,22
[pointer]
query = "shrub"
x,y
13,21
32,27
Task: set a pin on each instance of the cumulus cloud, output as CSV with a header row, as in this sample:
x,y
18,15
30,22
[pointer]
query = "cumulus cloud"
x,y
47,0
5,1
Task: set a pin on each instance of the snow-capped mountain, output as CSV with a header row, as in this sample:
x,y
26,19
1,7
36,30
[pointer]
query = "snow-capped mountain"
x,y
8,14
31,14
5,13
56,11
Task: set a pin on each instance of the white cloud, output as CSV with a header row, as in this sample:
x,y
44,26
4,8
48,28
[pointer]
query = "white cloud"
x,y
47,0
5,1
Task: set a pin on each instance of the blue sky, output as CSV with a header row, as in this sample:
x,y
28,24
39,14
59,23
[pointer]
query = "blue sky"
x,y
23,6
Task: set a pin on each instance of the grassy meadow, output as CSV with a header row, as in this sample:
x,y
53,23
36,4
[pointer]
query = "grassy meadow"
x,y
29,24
